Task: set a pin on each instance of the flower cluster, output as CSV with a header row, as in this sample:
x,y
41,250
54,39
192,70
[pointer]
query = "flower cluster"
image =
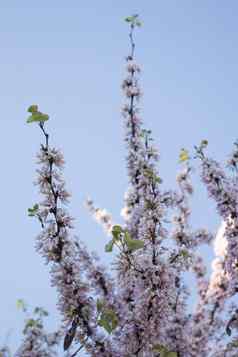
x,y
101,216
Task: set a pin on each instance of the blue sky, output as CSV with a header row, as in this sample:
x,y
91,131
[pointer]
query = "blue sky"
x,y
68,57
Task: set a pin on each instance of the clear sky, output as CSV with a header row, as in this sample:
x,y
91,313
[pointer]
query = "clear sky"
x,y
68,57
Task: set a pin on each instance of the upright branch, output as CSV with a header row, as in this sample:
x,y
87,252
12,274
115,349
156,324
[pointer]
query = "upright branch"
x,y
224,191
74,272
146,283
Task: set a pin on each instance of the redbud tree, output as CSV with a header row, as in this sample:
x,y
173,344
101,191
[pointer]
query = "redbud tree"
x,y
138,306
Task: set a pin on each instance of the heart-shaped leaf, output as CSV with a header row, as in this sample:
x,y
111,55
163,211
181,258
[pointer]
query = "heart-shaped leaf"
x,y
37,117
133,244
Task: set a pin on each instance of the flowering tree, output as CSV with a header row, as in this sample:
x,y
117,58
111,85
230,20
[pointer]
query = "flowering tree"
x,y
138,307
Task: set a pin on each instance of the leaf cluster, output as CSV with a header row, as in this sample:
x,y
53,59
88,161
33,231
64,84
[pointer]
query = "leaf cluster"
x,y
36,115
122,237
163,351
107,317
33,211
134,20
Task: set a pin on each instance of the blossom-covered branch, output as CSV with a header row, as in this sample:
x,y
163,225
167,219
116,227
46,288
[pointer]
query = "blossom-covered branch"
x,y
79,279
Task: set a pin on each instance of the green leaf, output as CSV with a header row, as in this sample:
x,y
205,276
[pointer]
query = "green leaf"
x,y
31,214
40,311
37,117
86,312
234,344
204,144
148,173
105,324
21,305
32,323
151,175
71,312
163,351
129,19
33,108
184,253
133,20
109,247
158,179
183,156
108,320
116,229
132,244
145,133
158,348
116,232
33,211
100,305
112,317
